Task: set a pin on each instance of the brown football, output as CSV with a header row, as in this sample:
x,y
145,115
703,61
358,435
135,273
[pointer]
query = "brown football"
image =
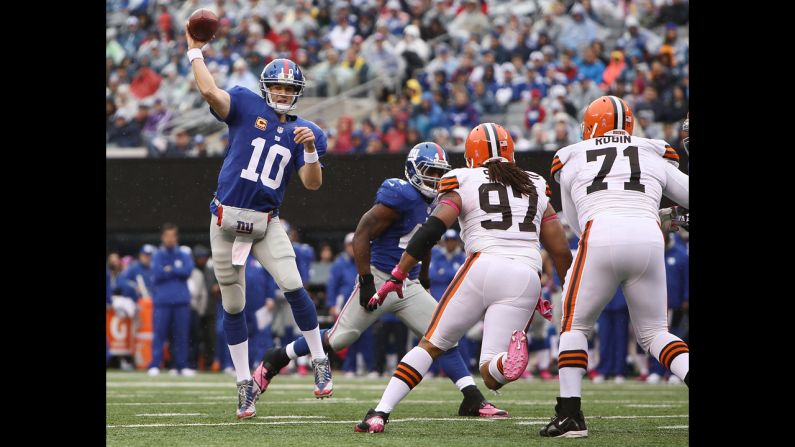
x,y
203,24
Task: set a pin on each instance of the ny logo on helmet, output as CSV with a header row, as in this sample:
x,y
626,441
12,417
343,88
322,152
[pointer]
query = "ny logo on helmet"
x,y
245,227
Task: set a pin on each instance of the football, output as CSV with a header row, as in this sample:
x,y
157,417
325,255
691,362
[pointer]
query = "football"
x,y
203,24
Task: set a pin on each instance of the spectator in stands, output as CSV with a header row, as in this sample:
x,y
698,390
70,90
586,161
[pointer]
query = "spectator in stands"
x,y
535,113
591,67
413,50
356,63
342,33
462,113
243,77
427,116
471,20
180,147
124,132
344,143
580,30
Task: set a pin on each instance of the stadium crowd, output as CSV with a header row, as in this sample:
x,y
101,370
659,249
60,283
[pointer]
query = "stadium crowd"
x,y
435,68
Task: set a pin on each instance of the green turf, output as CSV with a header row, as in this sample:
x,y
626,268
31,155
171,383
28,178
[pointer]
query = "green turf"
x,y
132,399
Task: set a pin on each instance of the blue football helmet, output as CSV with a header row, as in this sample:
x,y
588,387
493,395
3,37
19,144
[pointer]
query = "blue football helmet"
x,y
423,159
281,71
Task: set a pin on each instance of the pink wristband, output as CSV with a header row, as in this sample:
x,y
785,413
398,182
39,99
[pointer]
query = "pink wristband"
x,y
548,218
451,204
398,274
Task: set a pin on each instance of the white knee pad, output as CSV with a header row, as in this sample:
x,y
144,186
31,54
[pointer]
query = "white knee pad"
x,y
233,292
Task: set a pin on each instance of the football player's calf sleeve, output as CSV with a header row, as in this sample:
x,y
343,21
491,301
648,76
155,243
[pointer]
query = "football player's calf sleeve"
x,y
572,362
235,328
453,365
495,368
426,237
672,353
303,309
409,373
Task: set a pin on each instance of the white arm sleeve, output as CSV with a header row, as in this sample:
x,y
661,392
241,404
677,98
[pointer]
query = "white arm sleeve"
x,y
569,212
677,186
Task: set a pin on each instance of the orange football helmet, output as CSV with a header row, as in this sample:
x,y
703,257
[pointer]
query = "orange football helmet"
x,y
485,142
605,114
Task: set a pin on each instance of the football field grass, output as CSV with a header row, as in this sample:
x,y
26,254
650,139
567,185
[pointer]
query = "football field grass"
x,y
179,411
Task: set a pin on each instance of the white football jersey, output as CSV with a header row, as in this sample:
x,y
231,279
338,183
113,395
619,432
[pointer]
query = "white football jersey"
x,y
496,220
617,175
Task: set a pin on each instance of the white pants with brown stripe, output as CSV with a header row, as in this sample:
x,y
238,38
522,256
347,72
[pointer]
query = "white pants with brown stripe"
x,y
414,310
500,290
274,252
619,251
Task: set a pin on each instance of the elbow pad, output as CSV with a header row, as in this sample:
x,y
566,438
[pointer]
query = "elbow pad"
x,y
426,237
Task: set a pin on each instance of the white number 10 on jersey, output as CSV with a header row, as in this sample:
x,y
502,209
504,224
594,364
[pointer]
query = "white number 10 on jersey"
x,y
250,173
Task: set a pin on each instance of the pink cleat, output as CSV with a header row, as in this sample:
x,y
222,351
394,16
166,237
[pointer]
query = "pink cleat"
x,y
490,411
515,363
373,422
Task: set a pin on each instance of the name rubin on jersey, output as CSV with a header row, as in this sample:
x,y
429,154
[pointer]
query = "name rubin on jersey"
x,y
613,139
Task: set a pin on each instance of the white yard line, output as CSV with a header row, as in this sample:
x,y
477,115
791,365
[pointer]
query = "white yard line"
x,y
459,419
674,426
170,414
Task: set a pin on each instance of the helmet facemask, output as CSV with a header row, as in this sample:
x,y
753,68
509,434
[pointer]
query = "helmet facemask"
x,y
422,178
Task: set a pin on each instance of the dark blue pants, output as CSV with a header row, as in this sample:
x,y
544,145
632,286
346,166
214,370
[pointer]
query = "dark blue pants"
x,y
363,345
174,319
613,338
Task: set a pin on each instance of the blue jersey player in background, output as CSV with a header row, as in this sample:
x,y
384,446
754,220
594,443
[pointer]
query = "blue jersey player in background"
x,y
400,208
266,145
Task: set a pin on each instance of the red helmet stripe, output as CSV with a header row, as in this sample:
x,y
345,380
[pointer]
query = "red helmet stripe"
x,y
439,151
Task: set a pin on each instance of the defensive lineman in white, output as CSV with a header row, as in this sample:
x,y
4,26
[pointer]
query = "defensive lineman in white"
x,y
611,184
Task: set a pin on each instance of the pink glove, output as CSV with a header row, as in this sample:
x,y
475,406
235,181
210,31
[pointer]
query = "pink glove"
x,y
544,307
393,284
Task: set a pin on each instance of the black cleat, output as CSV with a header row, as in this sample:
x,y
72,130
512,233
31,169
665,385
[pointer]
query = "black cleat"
x,y
563,426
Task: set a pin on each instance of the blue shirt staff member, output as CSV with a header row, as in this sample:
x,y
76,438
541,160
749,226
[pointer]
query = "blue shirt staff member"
x,y
171,268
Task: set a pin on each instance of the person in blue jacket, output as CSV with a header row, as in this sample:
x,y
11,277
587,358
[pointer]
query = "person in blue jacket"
x,y
130,284
613,339
445,261
260,293
171,267
677,279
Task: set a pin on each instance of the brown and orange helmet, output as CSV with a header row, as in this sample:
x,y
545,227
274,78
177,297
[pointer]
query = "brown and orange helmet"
x,y
605,114
485,142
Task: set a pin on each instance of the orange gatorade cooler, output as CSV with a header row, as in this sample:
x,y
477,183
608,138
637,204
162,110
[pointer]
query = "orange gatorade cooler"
x,y
119,333
144,333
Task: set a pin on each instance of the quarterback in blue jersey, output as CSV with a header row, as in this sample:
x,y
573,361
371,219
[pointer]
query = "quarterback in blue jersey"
x,y
401,207
266,144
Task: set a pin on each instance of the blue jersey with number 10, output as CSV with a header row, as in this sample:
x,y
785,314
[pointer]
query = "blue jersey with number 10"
x,y
262,154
